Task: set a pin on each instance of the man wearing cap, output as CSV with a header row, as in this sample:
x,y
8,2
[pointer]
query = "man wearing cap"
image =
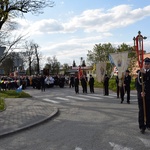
x,y
146,83
126,86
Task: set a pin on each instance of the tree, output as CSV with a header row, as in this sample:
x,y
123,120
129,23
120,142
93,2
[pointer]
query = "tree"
x,y
15,8
7,64
65,67
53,65
38,56
29,54
99,53
10,45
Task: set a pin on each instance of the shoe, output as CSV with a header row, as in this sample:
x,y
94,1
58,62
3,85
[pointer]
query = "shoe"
x,y
121,102
142,131
128,102
148,128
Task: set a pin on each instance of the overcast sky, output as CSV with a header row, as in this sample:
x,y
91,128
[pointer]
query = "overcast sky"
x,y
72,27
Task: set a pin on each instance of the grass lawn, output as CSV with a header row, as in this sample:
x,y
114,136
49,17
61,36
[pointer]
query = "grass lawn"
x,y
10,94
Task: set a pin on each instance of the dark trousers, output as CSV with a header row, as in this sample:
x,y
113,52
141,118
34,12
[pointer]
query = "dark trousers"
x,y
122,92
77,88
127,90
118,91
84,88
106,90
142,124
42,87
91,88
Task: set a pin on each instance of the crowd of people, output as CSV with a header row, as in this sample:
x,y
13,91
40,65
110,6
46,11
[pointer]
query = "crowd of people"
x,y
142,84
36,81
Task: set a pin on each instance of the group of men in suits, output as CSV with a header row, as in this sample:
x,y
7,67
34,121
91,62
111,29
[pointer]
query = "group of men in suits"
x,y
84,81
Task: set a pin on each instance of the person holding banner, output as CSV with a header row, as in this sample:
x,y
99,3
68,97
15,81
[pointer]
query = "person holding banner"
x,y
142,114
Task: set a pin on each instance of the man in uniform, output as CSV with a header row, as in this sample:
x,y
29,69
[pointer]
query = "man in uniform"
x,y
117,85
91,84
106,85
145,71
126,87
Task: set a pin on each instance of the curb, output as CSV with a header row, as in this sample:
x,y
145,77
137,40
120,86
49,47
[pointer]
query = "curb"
x,y
51,116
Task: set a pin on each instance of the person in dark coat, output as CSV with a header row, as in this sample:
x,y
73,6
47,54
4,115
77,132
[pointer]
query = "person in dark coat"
x,y
42,81
146,94
84,83
91,84
106,85
71,81
126,86
76,84
117,85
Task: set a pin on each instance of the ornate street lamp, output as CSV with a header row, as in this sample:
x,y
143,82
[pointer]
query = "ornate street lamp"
x,y
138,46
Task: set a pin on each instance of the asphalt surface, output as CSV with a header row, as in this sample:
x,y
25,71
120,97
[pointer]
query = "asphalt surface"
x,y
23,113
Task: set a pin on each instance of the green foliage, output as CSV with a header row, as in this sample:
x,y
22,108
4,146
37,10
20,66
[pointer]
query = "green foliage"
x,y
98,84
13,94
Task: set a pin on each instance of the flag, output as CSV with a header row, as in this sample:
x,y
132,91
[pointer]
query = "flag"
x,y
111,60
19,89
121,62
100,71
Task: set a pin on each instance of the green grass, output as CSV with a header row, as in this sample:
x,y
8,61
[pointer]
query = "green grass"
x,y
10,94
112,84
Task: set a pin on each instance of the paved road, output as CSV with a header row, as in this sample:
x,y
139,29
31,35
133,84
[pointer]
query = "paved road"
x,y
86,122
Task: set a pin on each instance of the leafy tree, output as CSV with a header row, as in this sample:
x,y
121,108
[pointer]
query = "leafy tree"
x,y
100,53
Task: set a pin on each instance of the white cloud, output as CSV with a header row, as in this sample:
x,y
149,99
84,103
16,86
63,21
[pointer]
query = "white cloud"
x,y
82,31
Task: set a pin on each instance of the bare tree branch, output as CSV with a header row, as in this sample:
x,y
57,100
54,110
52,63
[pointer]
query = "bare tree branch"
x,y
10,8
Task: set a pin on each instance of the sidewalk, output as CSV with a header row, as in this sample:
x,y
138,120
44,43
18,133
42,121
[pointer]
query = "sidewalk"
x,y
23,113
